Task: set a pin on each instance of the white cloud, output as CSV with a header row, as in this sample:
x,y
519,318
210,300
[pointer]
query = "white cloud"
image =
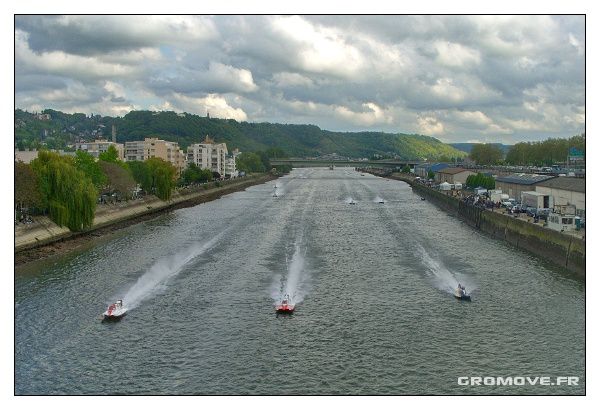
x,y
238,78
430,125
287,79
215,104
456,55
372,114
319,50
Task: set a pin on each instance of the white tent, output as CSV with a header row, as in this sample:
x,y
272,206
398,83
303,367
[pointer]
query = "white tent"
x,y
444,186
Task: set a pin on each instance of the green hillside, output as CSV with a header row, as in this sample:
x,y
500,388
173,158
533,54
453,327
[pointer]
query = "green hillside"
x,y
296,140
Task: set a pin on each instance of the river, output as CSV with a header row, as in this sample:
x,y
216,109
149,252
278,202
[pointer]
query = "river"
x,y
372,283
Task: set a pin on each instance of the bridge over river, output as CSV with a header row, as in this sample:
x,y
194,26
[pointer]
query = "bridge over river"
x,y
310,163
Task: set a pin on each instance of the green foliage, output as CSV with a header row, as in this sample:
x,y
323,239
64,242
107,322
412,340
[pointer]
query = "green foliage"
x,y
110,155
406,169
67,192
249,162
486,154
87,164
162,174
481,180
283,169
141,175
546,152
27,187
119,178
276,140
194,174
430,174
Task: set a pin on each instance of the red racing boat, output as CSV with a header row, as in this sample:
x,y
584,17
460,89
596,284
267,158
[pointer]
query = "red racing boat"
x,y
285,306
115,311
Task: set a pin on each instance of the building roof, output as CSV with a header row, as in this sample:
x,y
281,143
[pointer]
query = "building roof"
x,y
452,171
524,179
565,183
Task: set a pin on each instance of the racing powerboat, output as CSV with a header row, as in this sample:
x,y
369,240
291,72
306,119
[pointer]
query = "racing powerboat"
x,y
285,306
381,201
115,311
461,293
422,198
352,202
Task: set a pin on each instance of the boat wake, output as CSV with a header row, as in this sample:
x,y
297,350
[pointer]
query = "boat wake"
x,y
164,269
442,277
295,283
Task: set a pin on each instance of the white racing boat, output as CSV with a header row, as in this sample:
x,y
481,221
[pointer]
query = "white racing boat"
x,y
461,293
115,311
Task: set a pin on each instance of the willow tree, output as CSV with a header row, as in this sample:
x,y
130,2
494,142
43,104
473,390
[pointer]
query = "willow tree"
x,y
69,194
163,176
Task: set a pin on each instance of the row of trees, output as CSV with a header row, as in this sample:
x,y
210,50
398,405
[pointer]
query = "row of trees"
x,y
481,180
67,188
486,154
546,152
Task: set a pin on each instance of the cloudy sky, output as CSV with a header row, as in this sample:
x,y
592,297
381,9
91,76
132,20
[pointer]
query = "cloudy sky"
x,y
472,78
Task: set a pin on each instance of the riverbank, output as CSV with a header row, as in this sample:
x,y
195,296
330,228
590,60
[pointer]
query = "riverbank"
x,y
559,248
44,238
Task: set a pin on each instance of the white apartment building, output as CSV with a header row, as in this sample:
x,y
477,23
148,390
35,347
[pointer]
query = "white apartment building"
x,y
154,147
230,168
99,146
208,155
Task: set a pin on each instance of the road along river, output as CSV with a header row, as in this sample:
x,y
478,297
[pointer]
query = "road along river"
x,y
372,283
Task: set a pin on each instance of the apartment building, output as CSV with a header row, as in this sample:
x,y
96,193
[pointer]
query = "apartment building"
x,y
156,148
209,155
99,146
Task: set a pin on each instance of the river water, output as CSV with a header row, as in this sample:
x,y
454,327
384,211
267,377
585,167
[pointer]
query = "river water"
x,y
372,285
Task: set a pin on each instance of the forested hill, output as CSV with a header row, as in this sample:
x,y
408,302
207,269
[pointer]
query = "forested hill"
x,y
295,140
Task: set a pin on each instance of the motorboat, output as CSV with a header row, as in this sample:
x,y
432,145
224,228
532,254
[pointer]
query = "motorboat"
x,y
352,202
115,311
381,201
285,306
461,293
422,198
275,195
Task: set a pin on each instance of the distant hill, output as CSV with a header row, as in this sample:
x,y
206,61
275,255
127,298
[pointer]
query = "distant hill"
x,y
296,140
467,146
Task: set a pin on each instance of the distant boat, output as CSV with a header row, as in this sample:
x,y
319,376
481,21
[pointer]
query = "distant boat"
x,y
422,199
352,202
381,201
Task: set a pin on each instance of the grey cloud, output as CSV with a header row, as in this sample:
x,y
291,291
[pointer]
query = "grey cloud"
x,y
517,71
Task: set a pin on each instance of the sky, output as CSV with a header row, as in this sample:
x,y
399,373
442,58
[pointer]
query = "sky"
x,y
457,78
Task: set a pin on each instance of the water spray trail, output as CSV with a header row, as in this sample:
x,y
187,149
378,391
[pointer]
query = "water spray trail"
x,y
443,279
162,270
378,199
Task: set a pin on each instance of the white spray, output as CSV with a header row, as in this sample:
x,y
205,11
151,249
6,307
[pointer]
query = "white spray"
x,y
161,271
378,199
295,283
443,279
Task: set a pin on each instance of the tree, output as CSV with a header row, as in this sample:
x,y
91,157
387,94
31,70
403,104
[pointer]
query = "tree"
x,y
194,174
430,174
406,169
249,162
119,179
67,192
162,175
141,174
481,180
486,154
87,164
110,155
27,187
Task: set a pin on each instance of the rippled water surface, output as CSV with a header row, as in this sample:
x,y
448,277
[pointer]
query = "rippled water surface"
x,y
372,284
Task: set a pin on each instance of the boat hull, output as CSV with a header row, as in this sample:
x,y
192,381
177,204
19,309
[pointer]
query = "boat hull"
x,y
463,297
113,318
286,310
